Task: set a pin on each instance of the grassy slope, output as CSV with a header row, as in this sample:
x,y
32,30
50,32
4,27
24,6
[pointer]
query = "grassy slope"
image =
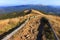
x,y
8,21
30,29
29,32
7,24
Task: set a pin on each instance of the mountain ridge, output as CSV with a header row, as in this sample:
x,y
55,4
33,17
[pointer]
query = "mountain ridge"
x,y
46,9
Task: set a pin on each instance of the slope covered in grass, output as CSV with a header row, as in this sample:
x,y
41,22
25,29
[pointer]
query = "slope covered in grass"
x,y
30,30
10,23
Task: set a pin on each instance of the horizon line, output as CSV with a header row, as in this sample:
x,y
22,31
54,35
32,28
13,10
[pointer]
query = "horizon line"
x,y
27,4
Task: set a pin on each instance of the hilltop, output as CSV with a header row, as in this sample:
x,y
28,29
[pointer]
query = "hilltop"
x,y
29,31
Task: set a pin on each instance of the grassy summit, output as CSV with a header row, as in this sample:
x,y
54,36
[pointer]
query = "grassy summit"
x,y
29,31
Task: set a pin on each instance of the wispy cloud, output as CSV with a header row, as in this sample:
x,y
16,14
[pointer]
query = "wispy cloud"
x,y
22,2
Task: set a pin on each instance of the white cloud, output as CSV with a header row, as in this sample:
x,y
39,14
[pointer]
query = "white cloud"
x,y
21,2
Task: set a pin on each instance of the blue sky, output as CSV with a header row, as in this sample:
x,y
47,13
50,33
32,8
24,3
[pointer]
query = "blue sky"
x,y
25,2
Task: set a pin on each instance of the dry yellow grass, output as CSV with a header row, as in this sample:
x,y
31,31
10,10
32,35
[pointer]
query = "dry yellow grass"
x,y
8,24
29,31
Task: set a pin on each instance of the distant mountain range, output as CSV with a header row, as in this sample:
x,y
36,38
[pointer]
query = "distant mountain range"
x,y
47,9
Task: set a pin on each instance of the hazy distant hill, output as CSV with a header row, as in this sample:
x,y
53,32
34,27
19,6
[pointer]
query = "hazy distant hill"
x,y
47,9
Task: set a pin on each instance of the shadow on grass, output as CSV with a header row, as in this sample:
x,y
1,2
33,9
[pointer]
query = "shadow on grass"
x,y
11,30
47,30
43,21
